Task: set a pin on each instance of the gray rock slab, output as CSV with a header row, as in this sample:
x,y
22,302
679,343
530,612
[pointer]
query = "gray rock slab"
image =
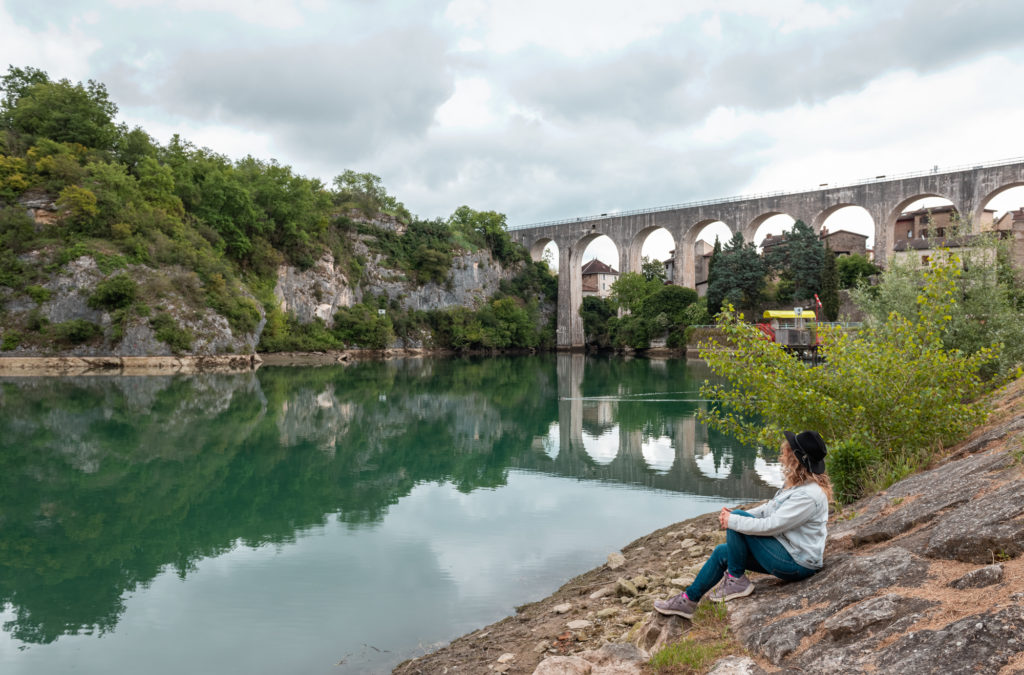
x,y
984,530
979,578
980,643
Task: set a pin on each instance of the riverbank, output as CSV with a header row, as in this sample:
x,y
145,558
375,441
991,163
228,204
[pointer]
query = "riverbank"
x,y
926,576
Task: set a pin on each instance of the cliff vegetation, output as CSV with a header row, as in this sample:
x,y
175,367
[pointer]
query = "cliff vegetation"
x,y
111,243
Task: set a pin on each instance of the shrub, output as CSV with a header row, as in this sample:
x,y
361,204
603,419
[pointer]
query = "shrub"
x,y
75,332
168,331
362,326
38,293
12,339
850,464
114,293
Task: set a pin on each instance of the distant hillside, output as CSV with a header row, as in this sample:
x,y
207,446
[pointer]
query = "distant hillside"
x,y
111,243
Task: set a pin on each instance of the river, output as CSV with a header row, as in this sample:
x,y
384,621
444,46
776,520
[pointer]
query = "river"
x,y
334,519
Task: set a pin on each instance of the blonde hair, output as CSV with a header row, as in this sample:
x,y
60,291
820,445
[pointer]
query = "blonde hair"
x,y
798,474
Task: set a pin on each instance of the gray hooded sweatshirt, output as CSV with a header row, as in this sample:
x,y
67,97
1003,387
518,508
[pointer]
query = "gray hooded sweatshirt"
x,y
797,517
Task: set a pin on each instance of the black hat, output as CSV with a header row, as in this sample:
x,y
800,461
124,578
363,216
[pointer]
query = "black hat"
x,y
809,448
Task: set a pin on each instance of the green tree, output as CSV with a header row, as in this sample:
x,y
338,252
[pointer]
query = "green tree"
x,y
652,269
596,313
853,268
738,275
830,286
894,386
800,259
487,229
60,111
365,191
630,290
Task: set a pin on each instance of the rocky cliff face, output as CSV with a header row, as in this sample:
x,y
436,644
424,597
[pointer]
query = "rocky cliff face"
x,y
324,288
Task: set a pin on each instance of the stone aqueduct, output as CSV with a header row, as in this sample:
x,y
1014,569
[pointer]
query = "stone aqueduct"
x,y
969,189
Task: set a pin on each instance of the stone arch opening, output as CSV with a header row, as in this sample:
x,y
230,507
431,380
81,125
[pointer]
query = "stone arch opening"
x,y
655,245
846,228
914,221
998,209
599,266
766,227
599,253
697,247
546,250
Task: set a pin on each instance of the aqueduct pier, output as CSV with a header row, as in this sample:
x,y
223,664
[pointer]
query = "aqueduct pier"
x,y
884,197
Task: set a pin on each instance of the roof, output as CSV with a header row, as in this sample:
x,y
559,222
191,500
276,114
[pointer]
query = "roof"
x,y
595,266
788,314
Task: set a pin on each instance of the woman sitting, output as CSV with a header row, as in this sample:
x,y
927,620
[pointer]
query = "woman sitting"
x,y
784,537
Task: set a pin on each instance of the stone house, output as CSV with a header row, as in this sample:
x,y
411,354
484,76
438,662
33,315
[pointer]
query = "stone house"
x,y
598,279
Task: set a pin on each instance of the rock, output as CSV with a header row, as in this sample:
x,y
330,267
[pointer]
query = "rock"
x,y
979,578
687,543
502,667
507,657
640,581
541,647
985,528
607,612
681,582
626,588
657,631
602,593
858,620
735,665
616,560
579,624
562,608
979,643
564,665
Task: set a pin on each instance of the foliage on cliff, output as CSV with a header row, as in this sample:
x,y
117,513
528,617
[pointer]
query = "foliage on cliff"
x,y
126,200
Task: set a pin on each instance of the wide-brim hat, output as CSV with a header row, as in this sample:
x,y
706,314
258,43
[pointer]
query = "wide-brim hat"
x,y
809,448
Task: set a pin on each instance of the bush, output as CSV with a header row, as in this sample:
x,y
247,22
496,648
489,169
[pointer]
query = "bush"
x,y
361,326
12,339
895,384
75,332
38,293
168,331
850,464
114,293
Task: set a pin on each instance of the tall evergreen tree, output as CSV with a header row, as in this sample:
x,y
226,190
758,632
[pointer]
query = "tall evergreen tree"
x,y
830,286
738,275
799,259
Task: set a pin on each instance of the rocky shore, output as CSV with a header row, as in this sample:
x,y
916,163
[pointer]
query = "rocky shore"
x,y
36,366
925,577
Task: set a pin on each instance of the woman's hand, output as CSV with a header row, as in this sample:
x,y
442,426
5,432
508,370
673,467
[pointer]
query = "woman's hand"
x,y
723,517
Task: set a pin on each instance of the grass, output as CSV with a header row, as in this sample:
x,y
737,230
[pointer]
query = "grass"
x,y
707,641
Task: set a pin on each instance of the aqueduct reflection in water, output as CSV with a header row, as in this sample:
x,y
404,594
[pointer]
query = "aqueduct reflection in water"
x,y
108,481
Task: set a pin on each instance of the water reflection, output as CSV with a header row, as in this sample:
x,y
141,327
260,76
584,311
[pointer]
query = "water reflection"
x,y
107,481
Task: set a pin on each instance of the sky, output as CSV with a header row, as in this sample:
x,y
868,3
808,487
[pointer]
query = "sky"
x,y
550,109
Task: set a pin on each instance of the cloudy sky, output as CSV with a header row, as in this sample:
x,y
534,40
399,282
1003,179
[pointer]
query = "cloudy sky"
x,y
547,109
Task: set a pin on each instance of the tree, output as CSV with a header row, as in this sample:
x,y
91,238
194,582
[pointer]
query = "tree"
x,y
60,111
652,269
830,286
630,289
487,229
738,275
366,192
853,268
799,259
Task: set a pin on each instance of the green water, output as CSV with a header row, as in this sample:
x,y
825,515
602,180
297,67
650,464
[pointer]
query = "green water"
x,y
331,520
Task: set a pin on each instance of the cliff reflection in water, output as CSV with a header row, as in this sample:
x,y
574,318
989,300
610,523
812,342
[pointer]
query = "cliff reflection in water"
x,y
107,481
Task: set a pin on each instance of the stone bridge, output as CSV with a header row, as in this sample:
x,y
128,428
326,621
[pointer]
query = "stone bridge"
x,y
885,198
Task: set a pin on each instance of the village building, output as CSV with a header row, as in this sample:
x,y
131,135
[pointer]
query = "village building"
x,y
598,279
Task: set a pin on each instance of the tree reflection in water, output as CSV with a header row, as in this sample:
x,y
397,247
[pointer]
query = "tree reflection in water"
x,y
107,481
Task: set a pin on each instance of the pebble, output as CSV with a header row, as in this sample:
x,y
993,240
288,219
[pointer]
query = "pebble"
x,y
641,582
541,647
681,582
506,657
502,667
626,587
602,593
686,543
563,608
607,612
579,624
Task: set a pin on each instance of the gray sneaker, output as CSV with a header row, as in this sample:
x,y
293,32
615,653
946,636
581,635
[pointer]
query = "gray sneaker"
x,y
680,605
731,587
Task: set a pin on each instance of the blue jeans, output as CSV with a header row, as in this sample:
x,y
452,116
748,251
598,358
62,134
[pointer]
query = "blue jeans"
x,y
742,552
